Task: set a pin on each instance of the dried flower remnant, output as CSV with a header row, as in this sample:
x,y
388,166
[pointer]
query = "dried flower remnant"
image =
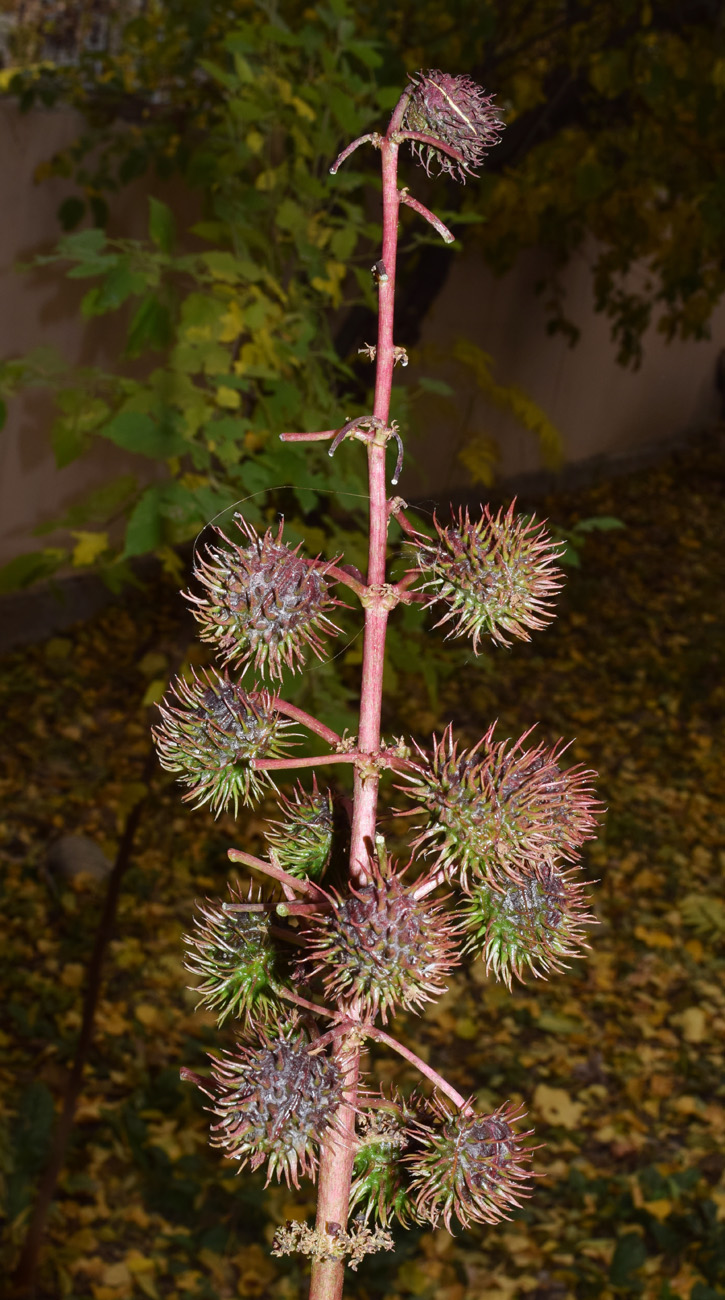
x,y
469,1166
232,952
497,576
382,946
528,928
210,733
263,603
275,1103
498,807
457,112
302,842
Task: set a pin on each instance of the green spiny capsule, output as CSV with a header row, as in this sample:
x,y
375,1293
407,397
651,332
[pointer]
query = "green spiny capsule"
x,y
382,945
527,928
302,843
211,731
468,1165
497,576
232,952
263,603
498,807
276,1103
379,1187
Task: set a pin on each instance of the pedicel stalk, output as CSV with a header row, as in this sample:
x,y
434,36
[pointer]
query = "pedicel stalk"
x,y
312,971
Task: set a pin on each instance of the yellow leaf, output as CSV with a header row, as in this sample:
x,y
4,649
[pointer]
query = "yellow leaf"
x,y
480,457
112,1022
148,1015
556,1106
116,1275
659,1209
654,938
72,975
228,398
693,1024
255,141
88,547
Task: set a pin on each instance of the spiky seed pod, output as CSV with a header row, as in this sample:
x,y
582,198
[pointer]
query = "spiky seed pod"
x,y
379,1183
529,928
232,952
459,113
275,1103
468,1166
211,731
382,945
263,603
496,576
498,807
303,841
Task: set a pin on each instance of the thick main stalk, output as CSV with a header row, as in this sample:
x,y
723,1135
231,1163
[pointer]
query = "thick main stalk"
x,y
338,1155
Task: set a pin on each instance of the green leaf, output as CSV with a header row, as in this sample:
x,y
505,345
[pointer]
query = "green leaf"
x,y
70,212
24,570
145,530
629,1255
136,431
117,286
598,523
436,386
161,225
151,327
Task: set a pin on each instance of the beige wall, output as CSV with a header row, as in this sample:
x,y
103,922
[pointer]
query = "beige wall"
x,y
600,408
42,307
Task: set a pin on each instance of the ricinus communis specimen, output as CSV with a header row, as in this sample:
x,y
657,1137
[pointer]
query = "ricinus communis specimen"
x,y
309,968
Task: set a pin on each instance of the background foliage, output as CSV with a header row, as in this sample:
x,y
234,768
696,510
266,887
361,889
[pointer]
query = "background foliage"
x,y
619,1062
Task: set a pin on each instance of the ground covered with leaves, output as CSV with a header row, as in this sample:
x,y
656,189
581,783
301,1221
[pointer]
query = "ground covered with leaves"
x,y
620,1062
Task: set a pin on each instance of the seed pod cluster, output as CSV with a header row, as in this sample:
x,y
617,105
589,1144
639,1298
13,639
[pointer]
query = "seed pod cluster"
x,y
232,952
496,576
211,731
263,603
302,842
468,1165
275,1103
495,809
529,927
382,945
459,113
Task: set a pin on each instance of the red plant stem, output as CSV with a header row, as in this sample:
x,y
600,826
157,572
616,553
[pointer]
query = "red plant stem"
x,y
285,764
372,137
332,571
306,719
290,996
430,217
338,1153
442,1084
309,437
301,886
439,145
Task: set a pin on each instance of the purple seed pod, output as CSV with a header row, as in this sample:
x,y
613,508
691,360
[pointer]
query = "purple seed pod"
x,y
210,733
528,928
496,808
467,1165
382,946
276,1102
497,576
459,113
263,603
